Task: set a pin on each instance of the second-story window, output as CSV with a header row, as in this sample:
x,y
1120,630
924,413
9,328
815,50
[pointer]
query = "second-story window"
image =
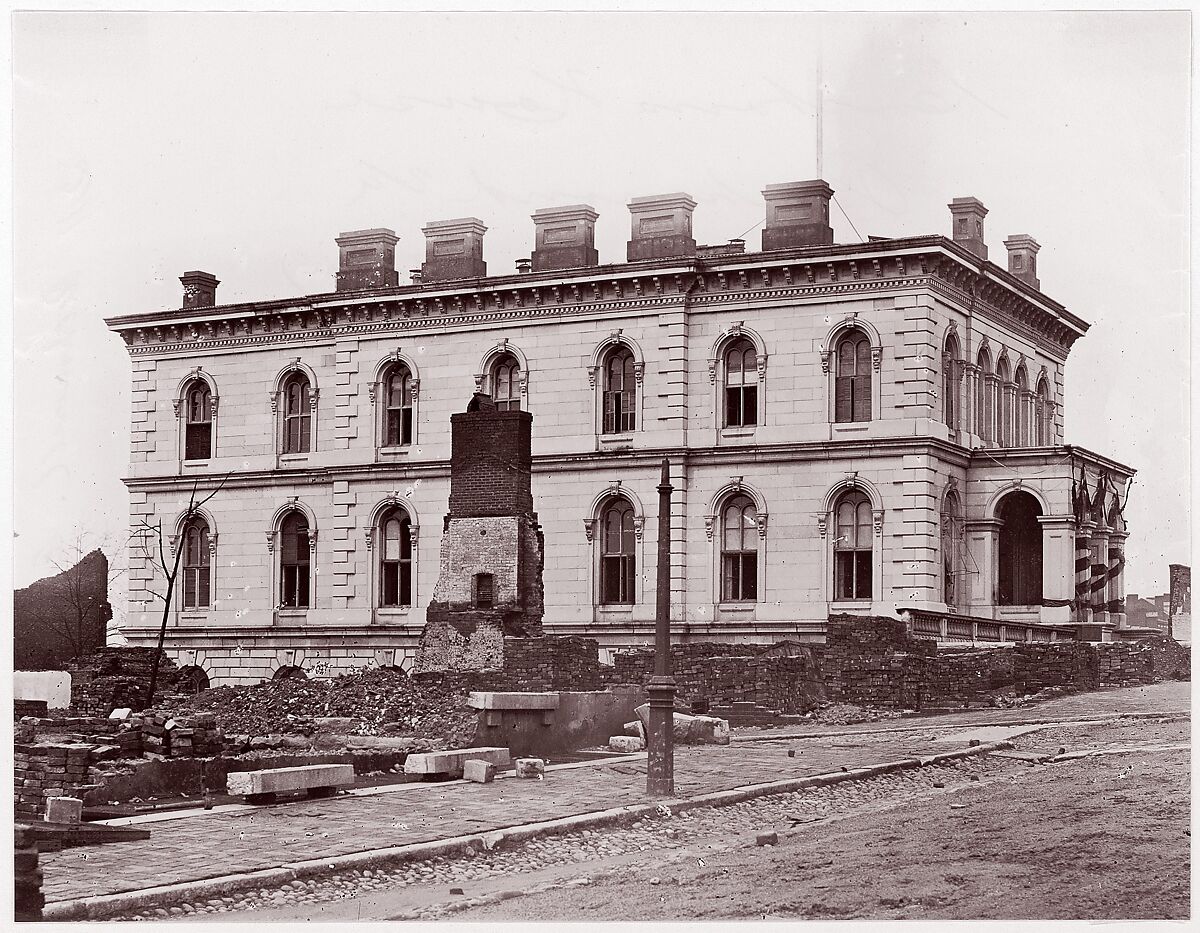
x,y
506,383
398,425
620,393
198,439
852,400
297,415
741,385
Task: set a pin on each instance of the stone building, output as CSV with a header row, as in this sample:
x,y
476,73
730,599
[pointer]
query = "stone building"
x,y
867,427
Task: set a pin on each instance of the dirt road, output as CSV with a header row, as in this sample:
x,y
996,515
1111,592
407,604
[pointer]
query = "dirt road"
x,y
1103,837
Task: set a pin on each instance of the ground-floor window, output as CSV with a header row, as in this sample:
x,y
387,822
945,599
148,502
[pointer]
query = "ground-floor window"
x,y
852,553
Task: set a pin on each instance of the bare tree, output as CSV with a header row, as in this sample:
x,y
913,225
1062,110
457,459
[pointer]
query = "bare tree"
x,y
154,550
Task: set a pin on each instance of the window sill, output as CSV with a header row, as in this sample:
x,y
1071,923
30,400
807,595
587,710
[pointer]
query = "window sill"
x,y
747,606
289,614
615,607
850,604
746,431
193,615
393,612
850,427
195,464
294,458
615,440
400,451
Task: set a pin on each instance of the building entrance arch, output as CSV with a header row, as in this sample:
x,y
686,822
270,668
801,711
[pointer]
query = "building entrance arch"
x,y
1019,551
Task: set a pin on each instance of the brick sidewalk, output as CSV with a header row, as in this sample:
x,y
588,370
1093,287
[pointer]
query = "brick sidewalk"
x,y
216,844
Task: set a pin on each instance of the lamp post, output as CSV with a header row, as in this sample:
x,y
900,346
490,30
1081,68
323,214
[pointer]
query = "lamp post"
x,y
660,771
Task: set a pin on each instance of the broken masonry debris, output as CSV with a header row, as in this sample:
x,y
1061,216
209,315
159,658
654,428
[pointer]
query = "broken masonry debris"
x,y
626,743
479,771
530,768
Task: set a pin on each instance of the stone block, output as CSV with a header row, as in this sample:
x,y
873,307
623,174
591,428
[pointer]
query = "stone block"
x,y
482,772
636,728
64,810
709,730
284,780
516,701
119,714
451,762
626,743
530,768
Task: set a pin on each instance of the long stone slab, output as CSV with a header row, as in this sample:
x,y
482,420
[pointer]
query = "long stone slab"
x,y
452,762
512,701
285,780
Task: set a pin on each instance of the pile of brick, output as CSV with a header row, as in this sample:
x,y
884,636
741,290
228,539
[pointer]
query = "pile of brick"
x,y
1170,659
29,708
47,770
112,678
164,733
552,662
874,660
1124,665
28,899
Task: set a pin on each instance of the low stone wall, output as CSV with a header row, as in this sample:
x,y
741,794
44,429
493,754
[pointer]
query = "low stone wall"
x,y
724,674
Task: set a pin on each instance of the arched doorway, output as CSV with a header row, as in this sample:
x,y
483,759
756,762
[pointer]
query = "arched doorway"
x,y
191,679
1019,574
290,672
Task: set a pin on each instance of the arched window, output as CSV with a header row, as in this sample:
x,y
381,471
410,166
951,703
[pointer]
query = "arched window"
x,y
620,393
852,391
395,559
617,549
398,407
741,384
1005,404
297,415
1019,577
1044,414
294,561
1021,415
739,551
983,396
950,382
852,547
196,565
198,431
952,535
506,383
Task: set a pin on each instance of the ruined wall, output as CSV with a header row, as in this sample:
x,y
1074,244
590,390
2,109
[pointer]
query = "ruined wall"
x,y
117,677
59,617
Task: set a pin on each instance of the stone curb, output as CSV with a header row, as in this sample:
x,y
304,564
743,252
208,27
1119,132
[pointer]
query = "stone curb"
x,y
106,905
928,722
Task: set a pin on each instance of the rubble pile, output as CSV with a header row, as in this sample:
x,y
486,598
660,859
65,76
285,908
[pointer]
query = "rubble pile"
x,y
379,701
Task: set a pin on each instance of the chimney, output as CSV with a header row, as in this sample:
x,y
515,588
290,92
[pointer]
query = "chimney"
x,y
367,259
453,250
199,289
797,215
1022,258
661,227
564,237
967,218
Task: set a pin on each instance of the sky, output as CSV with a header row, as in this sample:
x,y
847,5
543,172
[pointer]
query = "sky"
x,y
146,145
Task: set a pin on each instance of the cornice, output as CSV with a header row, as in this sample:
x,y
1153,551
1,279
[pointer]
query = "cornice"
x,y
774,276
559,463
